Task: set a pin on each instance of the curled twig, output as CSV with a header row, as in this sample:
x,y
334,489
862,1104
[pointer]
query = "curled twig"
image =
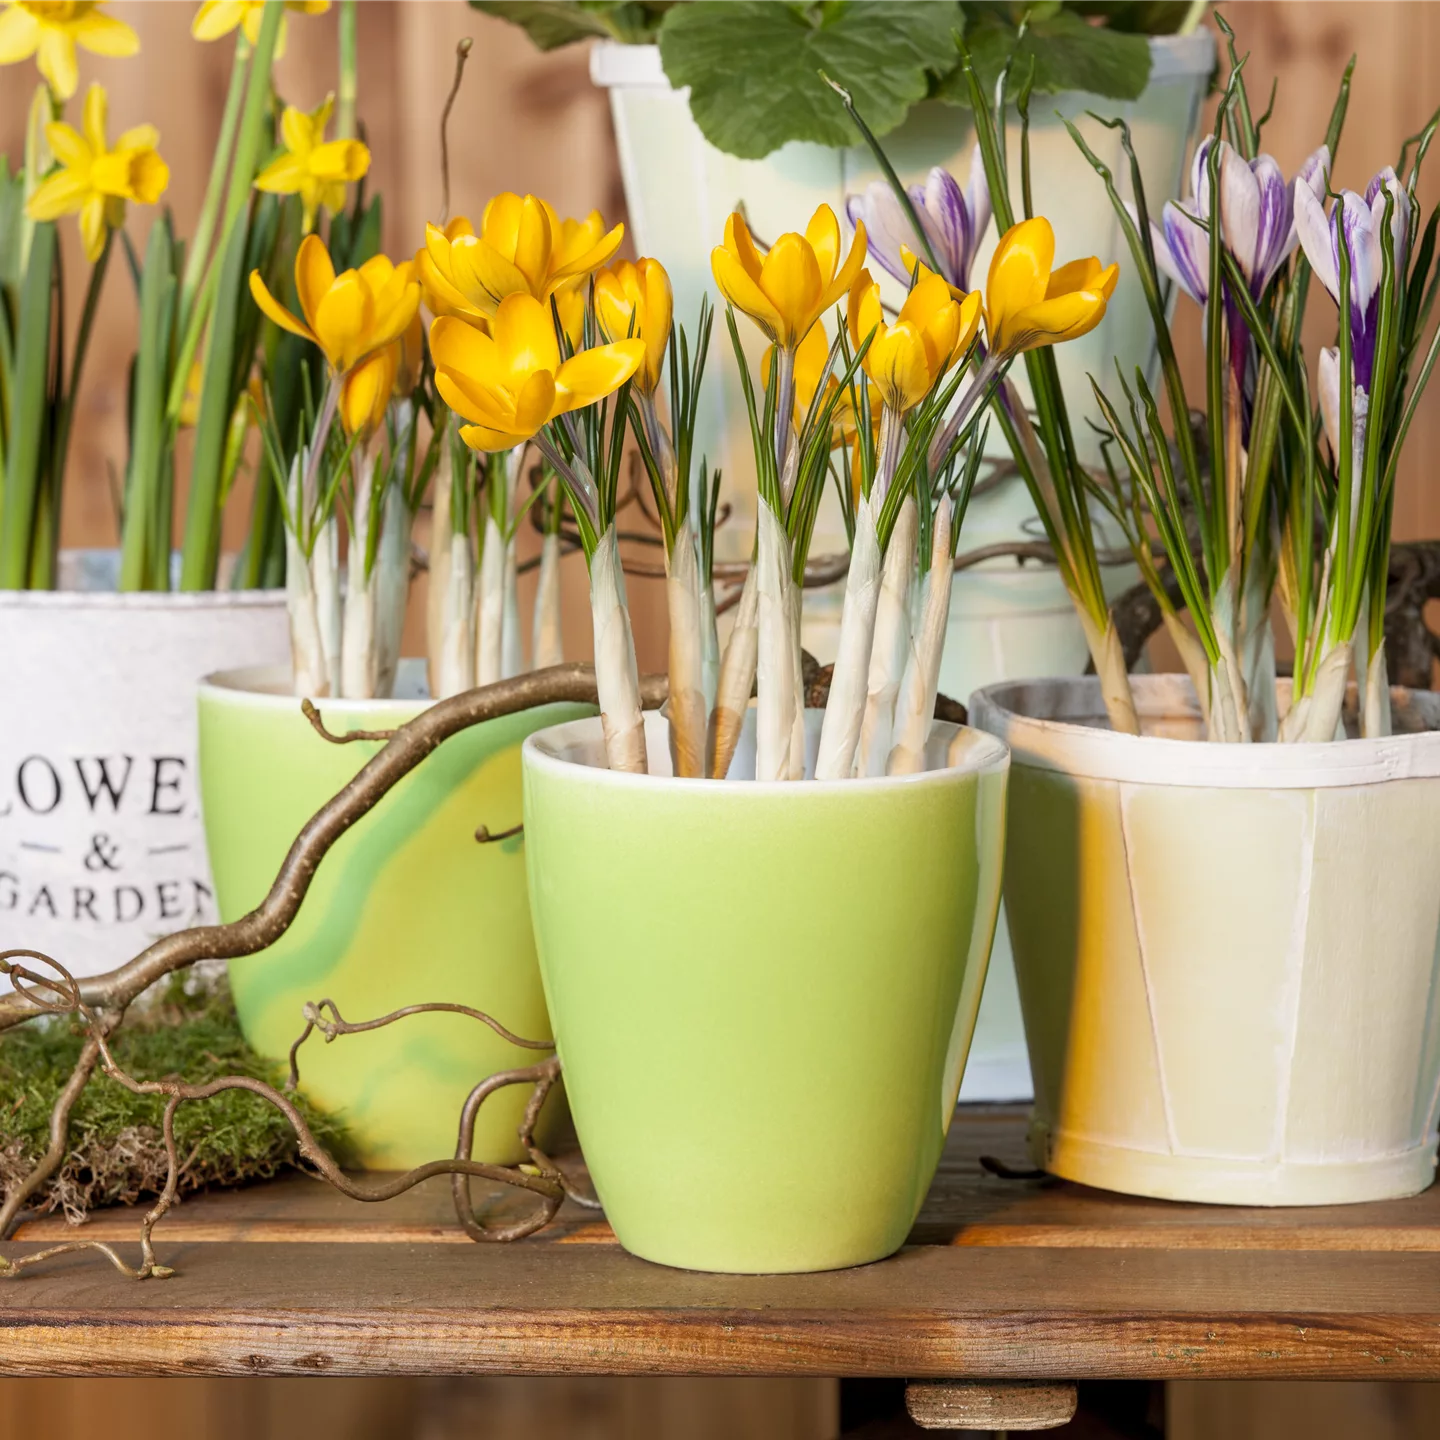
x,y
308,710
485,836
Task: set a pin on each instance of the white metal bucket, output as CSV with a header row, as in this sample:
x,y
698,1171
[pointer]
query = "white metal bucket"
x,y
101,845
1227,954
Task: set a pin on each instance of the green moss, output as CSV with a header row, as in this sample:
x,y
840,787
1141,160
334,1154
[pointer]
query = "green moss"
x,y
116,1152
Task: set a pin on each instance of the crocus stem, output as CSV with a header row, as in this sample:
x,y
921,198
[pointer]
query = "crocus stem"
x,y
1192,656
1375,720
325,566
512,649
358,668
916,708
784,405
735,681
439,572
616,677
845,708
309,671
490,606
709,646
775,660
892,643
1316,715
456,668
686,706
1109,657
392,565
547,644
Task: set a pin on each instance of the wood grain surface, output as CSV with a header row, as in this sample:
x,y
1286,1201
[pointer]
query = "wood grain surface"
x,y
1002,1279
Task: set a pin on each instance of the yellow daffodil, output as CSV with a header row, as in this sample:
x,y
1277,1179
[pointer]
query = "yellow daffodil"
x,y
95,180
366,390
349,316
523,247
930,333
1027,304
511,382
315,169
799,278
51,29
217,18
635,301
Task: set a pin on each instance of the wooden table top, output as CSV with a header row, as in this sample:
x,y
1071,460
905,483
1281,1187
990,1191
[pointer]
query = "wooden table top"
x,y
1000,1279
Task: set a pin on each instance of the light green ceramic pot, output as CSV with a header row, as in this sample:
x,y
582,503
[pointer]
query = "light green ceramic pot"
x,y
405,908
763,994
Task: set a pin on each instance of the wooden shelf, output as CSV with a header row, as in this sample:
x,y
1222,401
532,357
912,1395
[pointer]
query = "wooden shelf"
x,y
1002,1279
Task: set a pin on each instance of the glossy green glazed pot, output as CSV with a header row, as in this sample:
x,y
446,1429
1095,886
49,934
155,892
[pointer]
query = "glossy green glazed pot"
x,y
405,908
763,994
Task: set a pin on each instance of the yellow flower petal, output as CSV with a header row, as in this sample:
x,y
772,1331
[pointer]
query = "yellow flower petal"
x,y
216,18
525,335
823,236
845,276
343,320
532,246
535,403
69,146
314,275
478,437
744,293
139,137
56,59
593,374
366,392
298,132
342,160
61,194
282,176
92,227
274,310
899,363
741,246
19,35
1019,271
105,35
483,274
1051,321
590,259
94,118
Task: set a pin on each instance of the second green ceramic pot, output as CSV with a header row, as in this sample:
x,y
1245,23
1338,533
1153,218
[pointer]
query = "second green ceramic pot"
x,y
763,994
405,908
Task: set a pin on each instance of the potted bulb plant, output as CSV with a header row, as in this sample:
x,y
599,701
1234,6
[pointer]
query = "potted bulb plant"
x,y
1222,902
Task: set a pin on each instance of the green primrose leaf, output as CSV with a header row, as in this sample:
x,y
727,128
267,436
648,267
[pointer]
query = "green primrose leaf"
x,y
753,67
1067,53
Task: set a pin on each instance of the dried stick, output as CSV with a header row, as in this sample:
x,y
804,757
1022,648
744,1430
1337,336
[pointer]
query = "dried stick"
x,y
61,996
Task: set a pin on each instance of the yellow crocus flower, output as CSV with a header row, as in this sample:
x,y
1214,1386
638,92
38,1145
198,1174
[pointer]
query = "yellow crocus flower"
x,y
51,29
440,296
636,301
349,316
315,169
366,390
931,332
799,278
95,180
510,383
523,247
1027,304
410,356
217,18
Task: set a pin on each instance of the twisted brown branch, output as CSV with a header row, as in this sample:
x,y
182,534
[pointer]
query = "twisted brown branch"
x,y
308,710
60,995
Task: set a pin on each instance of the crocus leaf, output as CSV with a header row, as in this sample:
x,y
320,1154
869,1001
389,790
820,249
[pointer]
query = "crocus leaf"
x,y
1067,53
753,67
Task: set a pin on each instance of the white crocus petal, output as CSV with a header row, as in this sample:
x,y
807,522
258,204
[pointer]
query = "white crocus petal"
x,y
1240,210
1364,246
1328,378
1315,172
1186,253
977,200
1200,177
887,227
1312,228
1399,216
1275,236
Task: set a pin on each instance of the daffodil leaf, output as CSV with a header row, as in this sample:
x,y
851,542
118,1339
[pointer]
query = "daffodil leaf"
x,y
753,67
1067,54
553,23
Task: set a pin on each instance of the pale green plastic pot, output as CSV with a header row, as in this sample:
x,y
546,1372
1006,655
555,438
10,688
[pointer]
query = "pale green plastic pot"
x,y
405,908
763,994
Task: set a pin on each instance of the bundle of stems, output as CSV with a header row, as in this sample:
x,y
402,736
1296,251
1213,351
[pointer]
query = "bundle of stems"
x,y
1270,491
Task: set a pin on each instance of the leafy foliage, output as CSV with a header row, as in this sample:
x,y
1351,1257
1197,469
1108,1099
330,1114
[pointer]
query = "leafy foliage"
x,y
116,1153
752,65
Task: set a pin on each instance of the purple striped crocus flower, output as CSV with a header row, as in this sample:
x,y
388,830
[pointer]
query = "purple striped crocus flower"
x,y
1364,237
954,220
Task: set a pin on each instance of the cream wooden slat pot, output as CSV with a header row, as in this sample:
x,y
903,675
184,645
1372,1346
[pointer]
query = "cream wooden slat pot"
x,y
1227,954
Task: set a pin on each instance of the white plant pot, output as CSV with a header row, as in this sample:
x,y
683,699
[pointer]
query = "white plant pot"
x,y
101,845
679,189
1227,954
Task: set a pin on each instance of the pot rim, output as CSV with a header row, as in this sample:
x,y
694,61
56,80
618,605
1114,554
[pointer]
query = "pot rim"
x,y
988,755
166,600
242,686
1088,752
616,65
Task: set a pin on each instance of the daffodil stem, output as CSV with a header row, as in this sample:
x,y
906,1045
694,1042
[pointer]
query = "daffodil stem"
x,y
345,106
199,255
254,122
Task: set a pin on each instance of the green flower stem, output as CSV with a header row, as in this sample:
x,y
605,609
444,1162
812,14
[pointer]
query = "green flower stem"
x,y
29,415
199,254
140,568
345,106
